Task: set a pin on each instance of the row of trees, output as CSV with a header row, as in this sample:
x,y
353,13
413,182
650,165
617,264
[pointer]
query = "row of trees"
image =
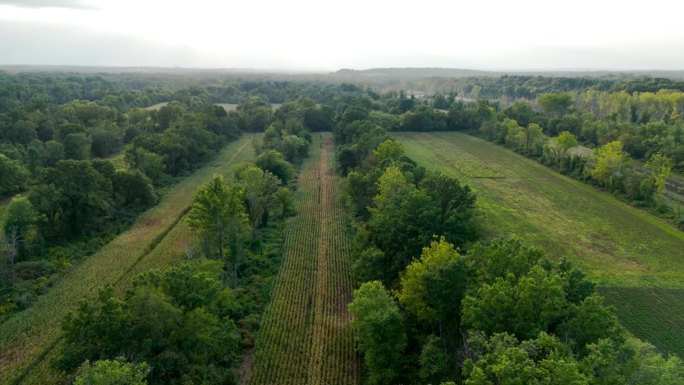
x,y
189,325
608,165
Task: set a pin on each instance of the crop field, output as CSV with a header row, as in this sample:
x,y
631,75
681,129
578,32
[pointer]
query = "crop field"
x,y
158,239
305,335
637,259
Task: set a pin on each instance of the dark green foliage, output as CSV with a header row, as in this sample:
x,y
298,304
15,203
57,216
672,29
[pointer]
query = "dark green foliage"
x,y
132,189
13,176
379,331
17,224
178,323
275,163
72,199
77,146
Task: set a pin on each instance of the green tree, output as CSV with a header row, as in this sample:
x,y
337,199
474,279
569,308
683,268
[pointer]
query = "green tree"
x,y
260,194
133,189
19,219
112,372
379,331
218,216
72,199
433,286
389,150
532,135
660,167
274,162
555,104
77,146
13,175
524,307
608,163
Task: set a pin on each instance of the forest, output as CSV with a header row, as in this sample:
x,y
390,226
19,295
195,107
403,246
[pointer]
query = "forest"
x,y
153,235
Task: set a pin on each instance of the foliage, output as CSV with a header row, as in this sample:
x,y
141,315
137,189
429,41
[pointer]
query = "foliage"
x,y
275,163
13,176
112,372
379,331
218,216
178,323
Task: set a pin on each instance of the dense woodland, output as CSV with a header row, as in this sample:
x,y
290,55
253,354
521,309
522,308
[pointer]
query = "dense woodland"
x,y
80,159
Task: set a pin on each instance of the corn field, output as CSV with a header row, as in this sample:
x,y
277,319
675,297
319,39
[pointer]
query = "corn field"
x,y
305,335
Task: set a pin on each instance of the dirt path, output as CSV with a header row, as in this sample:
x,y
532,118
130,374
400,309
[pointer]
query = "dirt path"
x,y
306,337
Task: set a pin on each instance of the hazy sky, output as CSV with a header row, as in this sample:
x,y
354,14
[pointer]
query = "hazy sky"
x,y
328,35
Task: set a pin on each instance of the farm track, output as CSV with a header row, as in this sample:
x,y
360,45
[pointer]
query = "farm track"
x,y
637,259
158,239
305,336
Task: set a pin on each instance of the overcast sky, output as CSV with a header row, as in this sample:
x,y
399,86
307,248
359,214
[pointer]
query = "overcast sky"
x,y
328,35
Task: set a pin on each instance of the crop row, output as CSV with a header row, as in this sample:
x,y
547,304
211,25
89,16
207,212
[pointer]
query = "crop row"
x,y
305,336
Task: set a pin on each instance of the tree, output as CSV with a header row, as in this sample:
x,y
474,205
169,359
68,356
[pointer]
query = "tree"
x,y
19,219
434,361
133,189
150,163
389,150
503,360
559,146
260,194
379,331
433,286
218,216
72,199
524,307
274,162
532,133
455,204
13,176
566,141
112,372
77,146
591,321
555,104
660,167
608,163
178,322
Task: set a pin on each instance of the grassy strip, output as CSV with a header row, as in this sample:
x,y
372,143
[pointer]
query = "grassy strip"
x,y
27,338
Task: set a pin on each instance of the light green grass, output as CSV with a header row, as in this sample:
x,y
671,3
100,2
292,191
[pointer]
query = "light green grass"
x,y
617,245
157,239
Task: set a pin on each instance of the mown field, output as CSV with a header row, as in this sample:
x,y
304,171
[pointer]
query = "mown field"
x,y
305,336
158,239
637,259
226,106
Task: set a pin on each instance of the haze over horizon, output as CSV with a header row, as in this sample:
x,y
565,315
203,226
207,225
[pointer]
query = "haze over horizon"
x,y
308,35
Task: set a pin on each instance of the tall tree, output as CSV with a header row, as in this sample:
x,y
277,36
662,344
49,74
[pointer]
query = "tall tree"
x,y
379,331
218,216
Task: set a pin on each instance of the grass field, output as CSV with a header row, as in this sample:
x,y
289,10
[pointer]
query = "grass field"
x,y
636,258
305,336
158,239
226,106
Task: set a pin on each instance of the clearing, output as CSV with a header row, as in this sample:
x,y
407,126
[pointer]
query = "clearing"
x,y
305,335
637,259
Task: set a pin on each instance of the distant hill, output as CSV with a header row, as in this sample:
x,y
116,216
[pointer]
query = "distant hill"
x,y
415,72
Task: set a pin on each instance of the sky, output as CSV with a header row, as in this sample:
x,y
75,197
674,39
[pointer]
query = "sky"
x,y
326,35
